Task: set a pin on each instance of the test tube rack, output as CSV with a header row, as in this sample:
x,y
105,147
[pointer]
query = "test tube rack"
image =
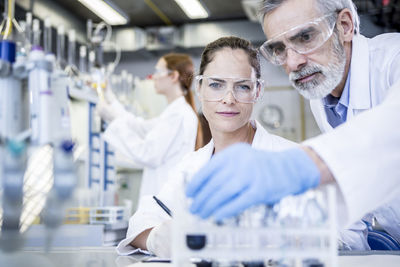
x,y
106,215
257,238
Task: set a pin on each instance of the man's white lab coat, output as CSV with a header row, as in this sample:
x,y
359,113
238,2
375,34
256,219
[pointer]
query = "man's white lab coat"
x,y
375,67
155,145
368,168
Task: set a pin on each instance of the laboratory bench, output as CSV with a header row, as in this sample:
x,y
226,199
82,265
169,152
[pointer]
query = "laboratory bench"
x,y
107,257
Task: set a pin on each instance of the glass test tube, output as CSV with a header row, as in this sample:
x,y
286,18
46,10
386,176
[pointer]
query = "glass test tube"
x,y
28,27
36,32
71,47
83,58
60,44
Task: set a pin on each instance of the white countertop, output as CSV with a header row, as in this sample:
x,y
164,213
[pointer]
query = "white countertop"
x,y
107,257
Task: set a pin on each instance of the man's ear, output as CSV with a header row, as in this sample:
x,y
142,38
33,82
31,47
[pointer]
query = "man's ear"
x,y
345,25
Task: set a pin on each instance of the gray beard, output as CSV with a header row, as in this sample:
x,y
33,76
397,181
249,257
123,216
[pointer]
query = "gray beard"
x,y
328,78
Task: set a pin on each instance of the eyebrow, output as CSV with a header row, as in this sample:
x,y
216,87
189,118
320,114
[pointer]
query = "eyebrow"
x,y
303,31
222,80
217,79
241,81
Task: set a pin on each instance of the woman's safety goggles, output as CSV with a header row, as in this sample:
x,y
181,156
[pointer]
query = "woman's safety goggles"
x,y
303,39
161,72
214,89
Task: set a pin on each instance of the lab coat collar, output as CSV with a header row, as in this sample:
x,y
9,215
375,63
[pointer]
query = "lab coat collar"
x,y
258,138
204,154
359,94
208,149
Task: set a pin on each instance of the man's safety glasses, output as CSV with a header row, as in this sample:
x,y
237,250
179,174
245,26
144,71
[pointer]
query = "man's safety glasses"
x,y
303,39
214,89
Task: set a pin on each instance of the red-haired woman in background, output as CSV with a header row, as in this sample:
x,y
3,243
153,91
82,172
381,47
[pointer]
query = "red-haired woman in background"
x,y
159,143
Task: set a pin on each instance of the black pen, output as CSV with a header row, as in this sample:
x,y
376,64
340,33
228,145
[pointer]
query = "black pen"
x,y
162,205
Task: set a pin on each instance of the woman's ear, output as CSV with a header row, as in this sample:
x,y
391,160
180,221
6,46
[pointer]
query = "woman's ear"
x,y
260,91
175,76
345,25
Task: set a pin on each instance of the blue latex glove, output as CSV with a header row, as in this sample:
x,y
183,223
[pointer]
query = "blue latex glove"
x,y
239,177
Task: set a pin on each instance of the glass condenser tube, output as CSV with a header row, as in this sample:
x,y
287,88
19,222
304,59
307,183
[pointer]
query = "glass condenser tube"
x,y
47,36
60,44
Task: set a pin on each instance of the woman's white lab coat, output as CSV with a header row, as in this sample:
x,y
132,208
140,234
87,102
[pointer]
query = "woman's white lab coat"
x,y
149,214
155,145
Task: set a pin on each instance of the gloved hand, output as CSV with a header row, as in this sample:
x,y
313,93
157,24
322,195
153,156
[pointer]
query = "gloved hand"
x,y
240,177
110,108
106,111
159,240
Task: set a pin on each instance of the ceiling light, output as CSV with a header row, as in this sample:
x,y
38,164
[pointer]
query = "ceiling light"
x,y
193,9
107,11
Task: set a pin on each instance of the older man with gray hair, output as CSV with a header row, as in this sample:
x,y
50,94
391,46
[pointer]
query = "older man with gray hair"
x,y
319,45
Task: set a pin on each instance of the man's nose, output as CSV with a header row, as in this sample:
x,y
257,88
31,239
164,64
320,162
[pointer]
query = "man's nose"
x,y
294,61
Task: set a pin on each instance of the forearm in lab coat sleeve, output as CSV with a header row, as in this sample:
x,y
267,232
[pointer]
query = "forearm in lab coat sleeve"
x,y
364,157
118,108
149,150
394,74
147,216
140,125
